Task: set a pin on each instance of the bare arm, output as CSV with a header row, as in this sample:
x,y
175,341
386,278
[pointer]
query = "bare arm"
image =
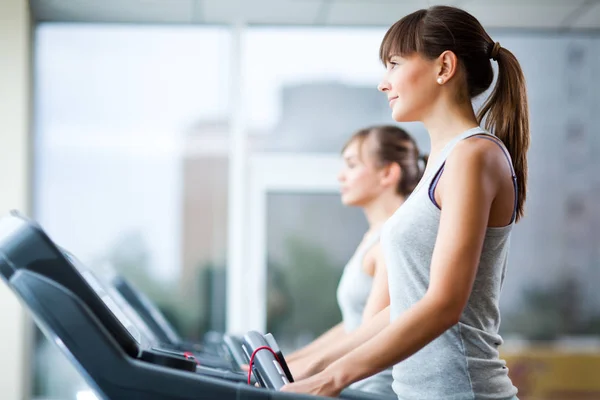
x,y
318,345
379,297
463,222
375,317
351,341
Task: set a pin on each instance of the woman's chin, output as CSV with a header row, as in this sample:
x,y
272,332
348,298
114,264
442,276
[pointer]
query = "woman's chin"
x,y
402,116
347,201
351,202
398,116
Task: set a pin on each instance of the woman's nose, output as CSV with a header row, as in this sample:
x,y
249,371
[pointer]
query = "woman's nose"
x,y
383,86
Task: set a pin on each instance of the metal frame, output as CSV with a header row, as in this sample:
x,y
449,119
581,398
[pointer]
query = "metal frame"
x,y
16,339
251,177
287,172
236,217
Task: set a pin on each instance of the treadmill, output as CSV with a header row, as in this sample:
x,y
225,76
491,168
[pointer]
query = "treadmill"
x,y
212,356
231,345
115,364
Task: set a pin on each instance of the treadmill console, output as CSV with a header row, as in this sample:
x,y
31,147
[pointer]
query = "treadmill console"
x,y
268,363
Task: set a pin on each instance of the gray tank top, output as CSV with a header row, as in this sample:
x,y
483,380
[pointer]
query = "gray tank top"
x,y
463,363
352,295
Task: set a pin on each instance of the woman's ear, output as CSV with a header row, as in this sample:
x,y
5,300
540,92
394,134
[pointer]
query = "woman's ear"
x,y
392,173
447,63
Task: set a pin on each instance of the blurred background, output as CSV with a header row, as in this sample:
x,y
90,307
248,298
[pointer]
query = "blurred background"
x,y
193,145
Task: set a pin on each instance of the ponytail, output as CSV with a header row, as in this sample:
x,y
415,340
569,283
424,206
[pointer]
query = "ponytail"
x,y
507,116
431,32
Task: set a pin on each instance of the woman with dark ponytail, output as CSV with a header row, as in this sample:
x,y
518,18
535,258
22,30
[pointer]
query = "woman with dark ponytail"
x,y
446,247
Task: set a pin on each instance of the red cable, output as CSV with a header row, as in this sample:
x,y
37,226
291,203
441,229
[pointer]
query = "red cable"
x,y
252,360
190,356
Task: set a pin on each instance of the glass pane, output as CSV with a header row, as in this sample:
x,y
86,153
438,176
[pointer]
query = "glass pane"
x,y
308,89
310,238
131,164
550,292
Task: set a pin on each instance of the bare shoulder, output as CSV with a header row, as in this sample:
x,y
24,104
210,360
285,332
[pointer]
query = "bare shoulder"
x,y
373,259
478,168
479,155
375,250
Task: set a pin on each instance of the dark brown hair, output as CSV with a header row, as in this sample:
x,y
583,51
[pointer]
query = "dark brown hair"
x,y
394,145
437,29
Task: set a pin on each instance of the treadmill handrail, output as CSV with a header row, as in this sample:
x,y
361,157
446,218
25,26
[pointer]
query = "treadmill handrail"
x,y
16,246
147,311
68,322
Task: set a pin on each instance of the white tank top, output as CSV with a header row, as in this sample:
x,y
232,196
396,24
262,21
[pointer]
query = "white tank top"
x,y
355,286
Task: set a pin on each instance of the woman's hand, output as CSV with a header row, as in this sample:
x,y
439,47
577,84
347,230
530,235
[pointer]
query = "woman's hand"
x,y
304,368
300,369
322,384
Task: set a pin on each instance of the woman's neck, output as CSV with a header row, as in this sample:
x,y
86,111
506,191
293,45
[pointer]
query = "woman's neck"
x,y
446,120
381,209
